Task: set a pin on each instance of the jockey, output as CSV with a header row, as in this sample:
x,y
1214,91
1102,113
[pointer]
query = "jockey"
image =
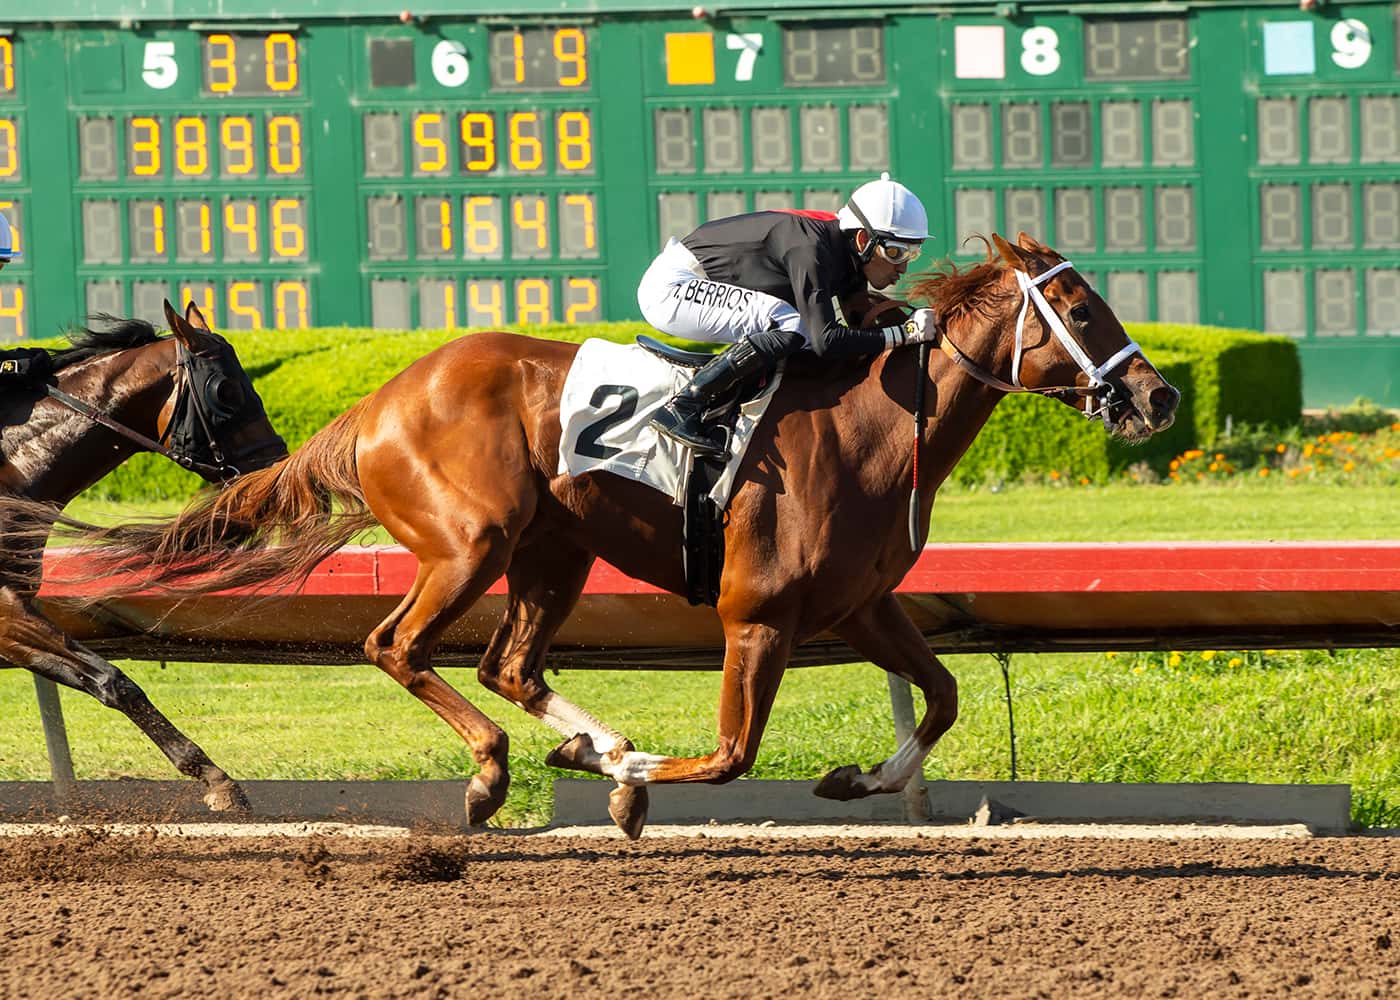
x,y
7,247
764,283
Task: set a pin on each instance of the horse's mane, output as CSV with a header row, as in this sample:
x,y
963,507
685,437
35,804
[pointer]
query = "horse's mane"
x,y
950,292
113,334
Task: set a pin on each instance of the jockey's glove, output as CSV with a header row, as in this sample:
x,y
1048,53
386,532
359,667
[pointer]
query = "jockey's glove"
x,y
919,328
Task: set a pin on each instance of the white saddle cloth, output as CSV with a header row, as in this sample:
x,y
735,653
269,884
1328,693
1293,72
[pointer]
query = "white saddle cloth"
x,y
609,396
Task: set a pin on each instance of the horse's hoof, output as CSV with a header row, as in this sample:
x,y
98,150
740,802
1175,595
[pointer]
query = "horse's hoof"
x,y
485,797
575,754
627,805
840,784
226,796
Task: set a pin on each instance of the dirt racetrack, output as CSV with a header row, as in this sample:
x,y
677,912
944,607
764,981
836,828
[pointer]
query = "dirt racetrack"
x,y
92,914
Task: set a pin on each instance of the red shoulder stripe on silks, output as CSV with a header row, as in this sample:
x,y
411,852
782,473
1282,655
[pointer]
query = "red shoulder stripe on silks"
x,y
809,213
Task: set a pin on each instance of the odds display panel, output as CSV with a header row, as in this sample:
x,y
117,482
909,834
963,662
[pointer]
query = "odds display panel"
x,y
1225,163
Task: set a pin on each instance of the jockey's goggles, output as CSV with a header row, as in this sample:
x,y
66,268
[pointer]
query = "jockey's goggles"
x,y
898,253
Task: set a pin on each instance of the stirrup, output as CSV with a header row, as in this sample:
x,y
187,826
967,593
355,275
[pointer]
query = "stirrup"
x,y
700,441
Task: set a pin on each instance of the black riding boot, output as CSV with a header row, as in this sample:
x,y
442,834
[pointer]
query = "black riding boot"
x,y
680,419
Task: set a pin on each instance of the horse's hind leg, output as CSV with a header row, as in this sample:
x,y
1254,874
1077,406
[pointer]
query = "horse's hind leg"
x,y
28,640
755,658
546,579
403,644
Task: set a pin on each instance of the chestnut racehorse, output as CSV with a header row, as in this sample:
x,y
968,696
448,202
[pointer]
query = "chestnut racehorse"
x,y
117,391
457,455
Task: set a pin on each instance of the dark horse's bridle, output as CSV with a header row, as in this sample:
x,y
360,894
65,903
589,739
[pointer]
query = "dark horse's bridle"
x,y
193,405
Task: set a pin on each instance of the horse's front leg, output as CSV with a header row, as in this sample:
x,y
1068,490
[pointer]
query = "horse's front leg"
x,y
756,655
883,633
29,640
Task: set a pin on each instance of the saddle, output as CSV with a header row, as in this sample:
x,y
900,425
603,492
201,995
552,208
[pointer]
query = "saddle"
x,y
25,366
703,519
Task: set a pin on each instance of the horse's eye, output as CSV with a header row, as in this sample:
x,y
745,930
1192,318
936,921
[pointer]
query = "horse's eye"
x,y
1080,313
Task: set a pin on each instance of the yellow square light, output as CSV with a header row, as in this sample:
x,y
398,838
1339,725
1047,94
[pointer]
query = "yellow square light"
x,y
690,57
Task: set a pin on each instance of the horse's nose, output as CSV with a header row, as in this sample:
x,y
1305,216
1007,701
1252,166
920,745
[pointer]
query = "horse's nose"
x,y
1163,402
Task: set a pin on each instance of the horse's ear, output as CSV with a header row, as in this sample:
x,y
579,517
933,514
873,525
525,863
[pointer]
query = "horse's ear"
x,y
172,318
195,318
1013,256
1028,242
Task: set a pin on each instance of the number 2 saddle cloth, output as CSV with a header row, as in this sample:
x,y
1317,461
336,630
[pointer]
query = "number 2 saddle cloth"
x,y
609,396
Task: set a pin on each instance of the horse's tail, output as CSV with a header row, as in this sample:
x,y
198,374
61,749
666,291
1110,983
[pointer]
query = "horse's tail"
x,y
269,526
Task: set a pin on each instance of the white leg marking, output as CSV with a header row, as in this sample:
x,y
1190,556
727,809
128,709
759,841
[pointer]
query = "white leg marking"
x,y
635,768
892,774
569,720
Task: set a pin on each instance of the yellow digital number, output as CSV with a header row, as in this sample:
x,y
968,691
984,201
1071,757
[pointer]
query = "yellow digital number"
x,y
518,50
284,157
247,227
445,223
287,80
536,221
590,229
575,140
204,298
12,307
238,307
491,304
433,159
7,208
206,238
582,310
7,65
191,146
532,301
158,229
290,298
526,151
483,235
236,145
221,62
9,148
478,131
148,146
570,47
288,234
449,305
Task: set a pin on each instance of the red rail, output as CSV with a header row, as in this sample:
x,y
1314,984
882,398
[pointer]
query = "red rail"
x,y
1010,597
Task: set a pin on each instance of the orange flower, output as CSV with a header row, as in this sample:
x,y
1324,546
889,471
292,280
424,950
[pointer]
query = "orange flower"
x,y
1263,473
1280,448
1348,466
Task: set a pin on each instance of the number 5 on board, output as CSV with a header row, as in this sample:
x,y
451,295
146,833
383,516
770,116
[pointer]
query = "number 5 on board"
x,y
751,44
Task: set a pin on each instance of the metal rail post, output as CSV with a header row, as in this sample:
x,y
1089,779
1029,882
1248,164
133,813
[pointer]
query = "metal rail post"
x,y
55,739
902,707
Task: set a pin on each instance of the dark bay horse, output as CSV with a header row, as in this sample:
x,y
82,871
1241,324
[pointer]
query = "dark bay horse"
x,y
114,392
457,455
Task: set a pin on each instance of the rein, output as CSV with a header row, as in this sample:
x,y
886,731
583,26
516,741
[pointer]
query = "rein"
x,y
102,417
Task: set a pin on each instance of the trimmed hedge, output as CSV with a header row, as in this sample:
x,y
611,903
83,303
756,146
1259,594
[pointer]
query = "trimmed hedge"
x,y
1035,434
1238,376
307,377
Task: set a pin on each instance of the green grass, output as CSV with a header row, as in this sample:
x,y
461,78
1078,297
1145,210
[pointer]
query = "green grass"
x,y
1295,717
1117,512
1300,717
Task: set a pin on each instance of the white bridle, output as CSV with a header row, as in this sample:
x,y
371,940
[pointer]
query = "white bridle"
x,y
1030,291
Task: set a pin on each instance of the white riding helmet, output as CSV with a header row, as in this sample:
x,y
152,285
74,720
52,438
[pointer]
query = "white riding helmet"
x,y
7,245
888,207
